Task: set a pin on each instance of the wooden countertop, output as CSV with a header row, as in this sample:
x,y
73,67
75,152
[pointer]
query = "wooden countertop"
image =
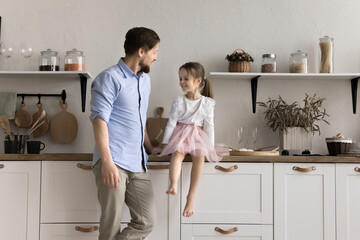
x,y
88,157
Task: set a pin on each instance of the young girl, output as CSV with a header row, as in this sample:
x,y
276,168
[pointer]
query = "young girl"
x,y
190,129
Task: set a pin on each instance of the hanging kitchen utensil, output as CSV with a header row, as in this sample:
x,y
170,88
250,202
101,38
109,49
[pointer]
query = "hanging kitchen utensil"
x,y
17,122
36,123
25,116
63,126
41,130
156,128
5,124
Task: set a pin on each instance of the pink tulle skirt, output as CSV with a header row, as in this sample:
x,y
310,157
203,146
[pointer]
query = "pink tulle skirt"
x,y
188,138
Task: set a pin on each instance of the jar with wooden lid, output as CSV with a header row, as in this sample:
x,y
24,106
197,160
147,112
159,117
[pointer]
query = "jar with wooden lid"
x,y
49,61
74,60
298,62
268,63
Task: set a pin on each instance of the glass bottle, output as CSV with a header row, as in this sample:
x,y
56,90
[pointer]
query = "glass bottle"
x,y
268,63
298,62
326,54
49,61
74,60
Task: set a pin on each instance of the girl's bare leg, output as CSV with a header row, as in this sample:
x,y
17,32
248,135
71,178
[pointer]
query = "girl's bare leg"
x,y
196,172
175,170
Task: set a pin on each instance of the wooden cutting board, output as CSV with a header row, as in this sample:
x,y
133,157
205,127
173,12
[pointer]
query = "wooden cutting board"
x,y
156,127
42,129
63,126
24,116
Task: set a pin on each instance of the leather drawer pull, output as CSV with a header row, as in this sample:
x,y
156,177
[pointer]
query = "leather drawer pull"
x,y
2,166
299,169
84,167
230,169
356,169
158,167
90,229
231,230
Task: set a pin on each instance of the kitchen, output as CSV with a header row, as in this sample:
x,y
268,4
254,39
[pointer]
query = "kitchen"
x,y
204,31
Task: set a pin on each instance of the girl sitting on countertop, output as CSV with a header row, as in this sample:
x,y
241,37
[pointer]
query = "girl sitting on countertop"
x,y
190,130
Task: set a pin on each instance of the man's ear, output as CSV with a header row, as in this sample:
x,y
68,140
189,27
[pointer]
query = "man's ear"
x,y
141,52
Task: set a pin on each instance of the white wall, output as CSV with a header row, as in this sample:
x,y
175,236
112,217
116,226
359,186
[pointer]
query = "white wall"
x,y
204,31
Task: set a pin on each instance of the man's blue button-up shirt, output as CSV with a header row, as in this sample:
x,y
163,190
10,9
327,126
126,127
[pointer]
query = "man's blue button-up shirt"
x,y
121,98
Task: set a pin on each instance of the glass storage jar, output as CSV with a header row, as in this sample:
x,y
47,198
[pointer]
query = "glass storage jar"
x,y
298,62
74,60
326,55
268,63
49,61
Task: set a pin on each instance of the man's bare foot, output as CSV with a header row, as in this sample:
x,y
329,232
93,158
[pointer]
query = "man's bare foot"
x,y
189,208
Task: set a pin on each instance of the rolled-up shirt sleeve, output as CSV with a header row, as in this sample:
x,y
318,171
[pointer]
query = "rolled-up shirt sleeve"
x,y
209,122
104,91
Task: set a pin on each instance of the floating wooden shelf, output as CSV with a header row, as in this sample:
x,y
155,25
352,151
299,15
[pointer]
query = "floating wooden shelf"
x,y
82,76
254,77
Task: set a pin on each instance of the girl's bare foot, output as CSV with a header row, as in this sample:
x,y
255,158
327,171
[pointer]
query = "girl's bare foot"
x,y
189,208
172,190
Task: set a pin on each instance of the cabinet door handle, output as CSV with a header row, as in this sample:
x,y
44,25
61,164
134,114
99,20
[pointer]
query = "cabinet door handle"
x,y
299,169
83,166
356,169
90,229
2,166
230,169
231,230
158,167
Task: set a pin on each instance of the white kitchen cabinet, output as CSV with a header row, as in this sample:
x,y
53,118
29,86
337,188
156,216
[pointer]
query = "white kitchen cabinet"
x,y
347,201
167,206
69,231
19,200
234,193
304,201
68,193
224,232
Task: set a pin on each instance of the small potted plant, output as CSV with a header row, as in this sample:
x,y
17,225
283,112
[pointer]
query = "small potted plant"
x,y
239,61
296,124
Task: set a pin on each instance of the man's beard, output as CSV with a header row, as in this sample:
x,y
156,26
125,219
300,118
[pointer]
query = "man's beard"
x,y
144,68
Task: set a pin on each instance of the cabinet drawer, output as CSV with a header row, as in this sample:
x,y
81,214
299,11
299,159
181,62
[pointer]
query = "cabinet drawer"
x,y
223,232
69,192
231,193
69,231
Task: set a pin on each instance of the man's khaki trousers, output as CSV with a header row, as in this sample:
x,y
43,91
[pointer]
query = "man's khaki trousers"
x,y
135,189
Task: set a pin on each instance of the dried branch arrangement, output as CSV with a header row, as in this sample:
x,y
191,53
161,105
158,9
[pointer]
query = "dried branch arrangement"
x,y
280,115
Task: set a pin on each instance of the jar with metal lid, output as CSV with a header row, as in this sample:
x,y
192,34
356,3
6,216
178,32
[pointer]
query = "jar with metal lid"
x,y
326,55
298,62
268,63
74,60
49,61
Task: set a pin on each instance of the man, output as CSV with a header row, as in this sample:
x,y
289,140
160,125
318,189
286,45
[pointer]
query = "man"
x,y
119,101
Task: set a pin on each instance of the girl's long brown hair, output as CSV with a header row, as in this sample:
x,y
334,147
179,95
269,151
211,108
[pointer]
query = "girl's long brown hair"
x,y
197,71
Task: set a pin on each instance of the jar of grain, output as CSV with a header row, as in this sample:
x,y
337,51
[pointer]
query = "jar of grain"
x,y
268,63
326,55
298,62
74,60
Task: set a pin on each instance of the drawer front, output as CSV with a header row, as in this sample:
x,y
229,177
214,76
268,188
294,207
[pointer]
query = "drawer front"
x,y
231,193
223,232
69,192
69,231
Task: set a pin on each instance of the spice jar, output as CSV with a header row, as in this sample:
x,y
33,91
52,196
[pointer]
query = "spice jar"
x,y
49,61
268,63
298,62
326,54
74,60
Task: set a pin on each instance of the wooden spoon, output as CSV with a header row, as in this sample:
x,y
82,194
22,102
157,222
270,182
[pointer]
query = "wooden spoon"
x,y
17,124
4,121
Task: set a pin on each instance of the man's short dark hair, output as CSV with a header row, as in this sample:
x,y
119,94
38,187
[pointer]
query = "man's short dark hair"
x,y
140,37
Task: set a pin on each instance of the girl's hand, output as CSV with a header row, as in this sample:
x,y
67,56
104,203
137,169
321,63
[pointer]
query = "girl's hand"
x,y
156,150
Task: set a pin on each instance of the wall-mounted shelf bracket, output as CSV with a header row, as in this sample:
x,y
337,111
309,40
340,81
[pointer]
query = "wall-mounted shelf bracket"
x,y
354,87
83,84
254,82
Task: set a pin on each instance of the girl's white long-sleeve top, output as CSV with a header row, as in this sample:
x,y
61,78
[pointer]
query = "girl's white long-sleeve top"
x,y
199,112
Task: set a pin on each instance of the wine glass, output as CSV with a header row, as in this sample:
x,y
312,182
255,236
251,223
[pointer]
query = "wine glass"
x,y
26,51
255,135
240,135
6,52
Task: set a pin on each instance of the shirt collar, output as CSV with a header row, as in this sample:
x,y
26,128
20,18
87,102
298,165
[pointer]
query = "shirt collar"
x,y
126,70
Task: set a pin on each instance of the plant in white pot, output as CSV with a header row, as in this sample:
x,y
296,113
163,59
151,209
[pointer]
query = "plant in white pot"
x,y
296,124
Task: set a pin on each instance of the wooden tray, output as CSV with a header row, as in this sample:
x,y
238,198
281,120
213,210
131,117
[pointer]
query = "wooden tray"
x,y
257,152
